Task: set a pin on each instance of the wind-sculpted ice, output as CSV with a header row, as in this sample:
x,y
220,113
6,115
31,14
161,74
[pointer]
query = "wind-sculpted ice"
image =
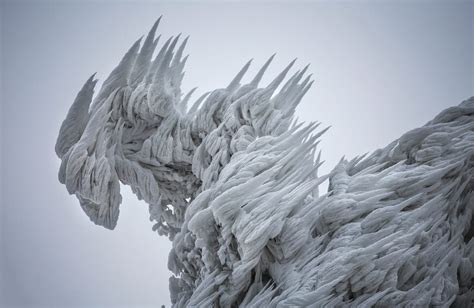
x,y
233,182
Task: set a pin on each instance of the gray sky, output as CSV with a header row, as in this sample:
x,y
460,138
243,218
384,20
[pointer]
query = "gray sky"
x,y
380,70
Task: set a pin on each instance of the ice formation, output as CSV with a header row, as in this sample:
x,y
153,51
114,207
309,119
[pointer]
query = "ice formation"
x,y
233,182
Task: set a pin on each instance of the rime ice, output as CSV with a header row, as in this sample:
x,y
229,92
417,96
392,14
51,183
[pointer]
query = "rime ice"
x,y
232,180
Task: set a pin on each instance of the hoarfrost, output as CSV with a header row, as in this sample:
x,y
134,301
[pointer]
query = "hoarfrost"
x,y
233,182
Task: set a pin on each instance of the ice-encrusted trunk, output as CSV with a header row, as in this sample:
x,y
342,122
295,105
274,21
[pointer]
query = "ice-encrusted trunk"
x,y
233,182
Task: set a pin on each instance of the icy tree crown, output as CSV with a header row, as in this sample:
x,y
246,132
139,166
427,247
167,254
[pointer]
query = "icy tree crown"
x,y
233,182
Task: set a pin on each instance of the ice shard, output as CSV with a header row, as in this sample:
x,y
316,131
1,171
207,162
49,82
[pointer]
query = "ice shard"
x,y
233,182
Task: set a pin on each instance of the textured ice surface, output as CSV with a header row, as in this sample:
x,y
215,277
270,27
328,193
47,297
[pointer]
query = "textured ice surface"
x,y
232,181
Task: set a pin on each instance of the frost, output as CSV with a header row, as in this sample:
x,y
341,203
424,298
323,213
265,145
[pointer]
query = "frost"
x,y
233,182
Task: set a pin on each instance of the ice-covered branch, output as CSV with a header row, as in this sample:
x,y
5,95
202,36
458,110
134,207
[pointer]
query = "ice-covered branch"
x,y
233,182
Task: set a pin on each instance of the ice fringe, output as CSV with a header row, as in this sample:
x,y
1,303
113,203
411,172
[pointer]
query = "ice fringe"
x,y
233,182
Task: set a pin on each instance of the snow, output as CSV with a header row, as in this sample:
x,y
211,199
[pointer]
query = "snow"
x,y
233,182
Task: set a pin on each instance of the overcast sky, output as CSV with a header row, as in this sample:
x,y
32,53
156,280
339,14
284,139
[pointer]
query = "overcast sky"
x,y
380,69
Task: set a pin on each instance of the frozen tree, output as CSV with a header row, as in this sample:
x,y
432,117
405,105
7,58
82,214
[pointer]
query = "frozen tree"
x,y
232,181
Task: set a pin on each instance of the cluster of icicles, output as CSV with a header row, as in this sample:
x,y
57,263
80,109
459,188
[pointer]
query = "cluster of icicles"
x,y
232,181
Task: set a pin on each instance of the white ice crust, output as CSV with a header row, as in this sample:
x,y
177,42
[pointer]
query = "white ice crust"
x,y
233,182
